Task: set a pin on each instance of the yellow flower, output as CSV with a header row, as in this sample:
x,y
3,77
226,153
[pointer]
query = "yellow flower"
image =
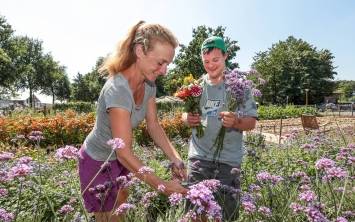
x,y
189,79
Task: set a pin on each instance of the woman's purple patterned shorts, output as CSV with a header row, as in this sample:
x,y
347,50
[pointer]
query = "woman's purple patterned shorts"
x,y
101,194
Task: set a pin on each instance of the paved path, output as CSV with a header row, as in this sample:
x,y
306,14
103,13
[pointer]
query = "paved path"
x,y
272,138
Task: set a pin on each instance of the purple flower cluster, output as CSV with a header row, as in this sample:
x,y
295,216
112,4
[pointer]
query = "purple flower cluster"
x,y
147,198
249,207
66,209
237,84
341,219
36,136
116,143
315,215
291,136
202,197
302,176
6,216
19,170
3,192
346,154
296,208
335,172
308,196
145,169
6,156
265,211
265,177
123,208
189,216
308,146
175,199
161,188
67,153
25,160
330,169
324,163
312,211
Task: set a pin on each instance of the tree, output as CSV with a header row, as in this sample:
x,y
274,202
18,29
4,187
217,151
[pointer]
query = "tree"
x,y
188,60
7,76
347,88
55,81
294,68
87,87
28,64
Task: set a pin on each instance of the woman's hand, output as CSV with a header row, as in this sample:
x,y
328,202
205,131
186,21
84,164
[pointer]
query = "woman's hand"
x,y
191,119
178,170
174,186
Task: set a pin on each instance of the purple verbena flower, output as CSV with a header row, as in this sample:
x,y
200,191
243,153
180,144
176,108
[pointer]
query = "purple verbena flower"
x,y
6,156
175,199
248,207
335,172
123,208
341,219
116,143
307,196
147,198
145,169
66,209
314,215
20,170
3,192
296,208
324,163
265,211
161,188
25,159
6,216
67,153
36,136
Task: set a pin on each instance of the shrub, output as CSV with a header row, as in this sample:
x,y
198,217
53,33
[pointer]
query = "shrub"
x,y
81,107
278,112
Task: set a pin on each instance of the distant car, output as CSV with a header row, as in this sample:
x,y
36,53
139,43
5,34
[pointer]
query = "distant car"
x,y
327,106
331,106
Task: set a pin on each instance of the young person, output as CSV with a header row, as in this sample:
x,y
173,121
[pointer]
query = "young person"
x,y
202,163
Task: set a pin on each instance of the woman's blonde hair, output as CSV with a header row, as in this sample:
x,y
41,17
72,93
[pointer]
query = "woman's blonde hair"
x,y
141,33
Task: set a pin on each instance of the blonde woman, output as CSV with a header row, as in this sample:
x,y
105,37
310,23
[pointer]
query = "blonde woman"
x,y
126,99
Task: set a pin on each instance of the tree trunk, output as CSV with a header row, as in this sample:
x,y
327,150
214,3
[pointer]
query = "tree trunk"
x,y
53,96
31,98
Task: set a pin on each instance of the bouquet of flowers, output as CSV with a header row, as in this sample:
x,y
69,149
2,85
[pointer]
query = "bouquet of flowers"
x,y
237,85
190,93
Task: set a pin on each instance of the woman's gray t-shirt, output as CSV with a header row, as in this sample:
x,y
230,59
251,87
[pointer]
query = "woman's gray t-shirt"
x,y
116,93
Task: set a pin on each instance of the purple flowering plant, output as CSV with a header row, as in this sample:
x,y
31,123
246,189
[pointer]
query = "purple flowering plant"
x,y
238,85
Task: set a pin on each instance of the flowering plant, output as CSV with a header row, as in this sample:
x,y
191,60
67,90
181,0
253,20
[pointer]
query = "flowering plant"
x,y
237,85
190,93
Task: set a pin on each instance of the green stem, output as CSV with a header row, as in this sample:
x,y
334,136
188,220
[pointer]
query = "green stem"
x,y
18,201
333,196
342,196
47,198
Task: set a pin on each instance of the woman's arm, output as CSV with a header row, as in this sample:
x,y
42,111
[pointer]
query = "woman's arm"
x,y
160,138
157,133
121,128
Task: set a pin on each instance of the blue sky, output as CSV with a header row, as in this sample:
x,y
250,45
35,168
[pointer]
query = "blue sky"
x,y
77,32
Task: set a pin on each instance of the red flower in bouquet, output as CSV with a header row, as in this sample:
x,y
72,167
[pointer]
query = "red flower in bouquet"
x,y
191,94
